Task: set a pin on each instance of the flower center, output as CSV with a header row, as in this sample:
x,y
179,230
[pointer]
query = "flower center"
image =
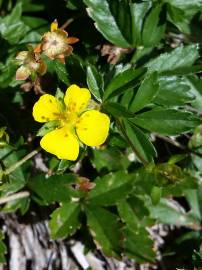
x,y
68,118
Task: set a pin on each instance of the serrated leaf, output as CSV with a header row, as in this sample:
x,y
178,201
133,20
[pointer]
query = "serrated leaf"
x,y
64,220
173,91
60,186
138,245
195,85
95,82
117,110
105,229
127,215
115,14
111,188
140,141
11,27
125,80
146,92
138,12
181,57
153,29
110,159
9,156
61,72
167,121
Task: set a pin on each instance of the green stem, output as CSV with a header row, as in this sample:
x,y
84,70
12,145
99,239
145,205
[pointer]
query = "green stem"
x,y
122,129
20,162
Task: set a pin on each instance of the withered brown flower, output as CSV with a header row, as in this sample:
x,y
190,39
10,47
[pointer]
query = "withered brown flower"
x,y
56,43
30,64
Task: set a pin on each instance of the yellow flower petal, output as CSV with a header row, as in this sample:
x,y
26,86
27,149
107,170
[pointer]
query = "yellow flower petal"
x,y
76,98
47,108
54,25
93,128
61,143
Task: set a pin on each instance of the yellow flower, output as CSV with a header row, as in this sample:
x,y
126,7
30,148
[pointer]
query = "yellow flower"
x,y
76,122
55,44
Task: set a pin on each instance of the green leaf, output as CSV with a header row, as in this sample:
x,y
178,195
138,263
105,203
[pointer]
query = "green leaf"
x,y
59,94
58,185
153,29
140,141
138,205
64,220
127,215
11,27
195,85
138,245
47,127
167,121
112,18
3,249
16,180
95,82
111,188
178,17
194,198
123,81
181,57
63,166
110,159
156,193
146,92
61,72
168,212
138,12
173,91
117,110
190,6
105,230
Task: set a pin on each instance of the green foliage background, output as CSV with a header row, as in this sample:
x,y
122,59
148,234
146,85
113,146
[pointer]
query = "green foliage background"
x,y
149,170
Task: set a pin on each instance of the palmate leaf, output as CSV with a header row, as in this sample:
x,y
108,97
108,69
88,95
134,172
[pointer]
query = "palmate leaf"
x,y
112,18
